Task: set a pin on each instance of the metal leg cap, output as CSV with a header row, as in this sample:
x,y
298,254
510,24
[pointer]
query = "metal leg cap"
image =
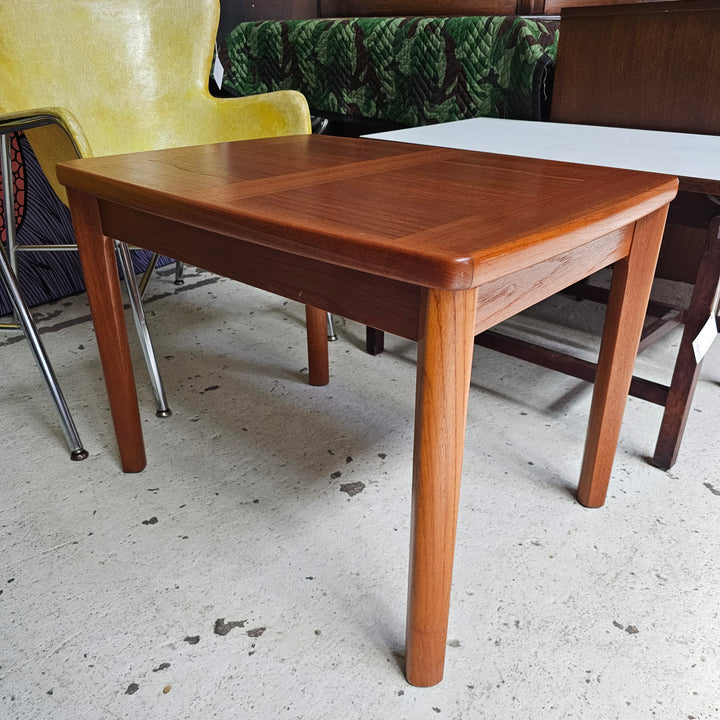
x,y
163,413
80,454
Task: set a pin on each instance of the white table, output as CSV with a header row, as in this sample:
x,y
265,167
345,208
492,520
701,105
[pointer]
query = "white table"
x,y
695,159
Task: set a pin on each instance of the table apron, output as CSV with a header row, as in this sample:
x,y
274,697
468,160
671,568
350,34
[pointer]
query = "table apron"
x,y
382,303
504,297
699,185
694,210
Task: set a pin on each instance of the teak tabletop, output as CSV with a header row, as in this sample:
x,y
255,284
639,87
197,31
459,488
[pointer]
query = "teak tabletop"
x,y
431,244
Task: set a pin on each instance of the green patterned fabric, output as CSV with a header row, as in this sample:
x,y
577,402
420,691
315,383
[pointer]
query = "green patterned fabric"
x,y
410,71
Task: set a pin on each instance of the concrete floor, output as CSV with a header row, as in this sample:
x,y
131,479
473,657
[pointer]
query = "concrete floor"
x,y
257,568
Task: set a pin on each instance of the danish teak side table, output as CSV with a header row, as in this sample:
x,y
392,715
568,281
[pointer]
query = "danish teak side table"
x,y
434,245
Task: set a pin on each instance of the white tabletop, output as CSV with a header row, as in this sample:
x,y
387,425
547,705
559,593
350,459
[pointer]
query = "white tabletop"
x,y
681,154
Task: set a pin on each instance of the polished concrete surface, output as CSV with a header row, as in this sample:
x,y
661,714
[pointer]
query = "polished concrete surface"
x,y
257,568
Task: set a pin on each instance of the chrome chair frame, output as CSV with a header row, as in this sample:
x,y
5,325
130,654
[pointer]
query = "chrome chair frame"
x,y
23,317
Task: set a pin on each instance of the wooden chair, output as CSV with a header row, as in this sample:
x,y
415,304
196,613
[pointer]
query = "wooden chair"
x,y
656,68
651,66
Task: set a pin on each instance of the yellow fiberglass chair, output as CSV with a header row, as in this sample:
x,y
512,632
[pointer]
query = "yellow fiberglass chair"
x,y
84,78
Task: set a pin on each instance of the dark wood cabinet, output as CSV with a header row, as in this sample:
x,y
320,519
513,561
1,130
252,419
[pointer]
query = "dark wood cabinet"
x,y
233,12
652,66
237,11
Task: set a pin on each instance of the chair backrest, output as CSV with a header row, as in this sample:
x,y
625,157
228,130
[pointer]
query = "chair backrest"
x,y
122,68
652,66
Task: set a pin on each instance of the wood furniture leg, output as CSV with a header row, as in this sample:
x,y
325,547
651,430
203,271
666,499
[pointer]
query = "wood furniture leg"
x,y
445,349
631,283
703,306
317,343
374,341
106,306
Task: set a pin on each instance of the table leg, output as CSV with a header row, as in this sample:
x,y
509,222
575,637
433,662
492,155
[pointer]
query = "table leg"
x,y
97,255
703,305
443,382
317,342
629,293
374,341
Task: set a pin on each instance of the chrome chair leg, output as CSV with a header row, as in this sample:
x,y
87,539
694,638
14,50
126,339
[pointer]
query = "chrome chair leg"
x,y
8,200
138,312
331,328
23,317
77,451
319,126
145,279
179,270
